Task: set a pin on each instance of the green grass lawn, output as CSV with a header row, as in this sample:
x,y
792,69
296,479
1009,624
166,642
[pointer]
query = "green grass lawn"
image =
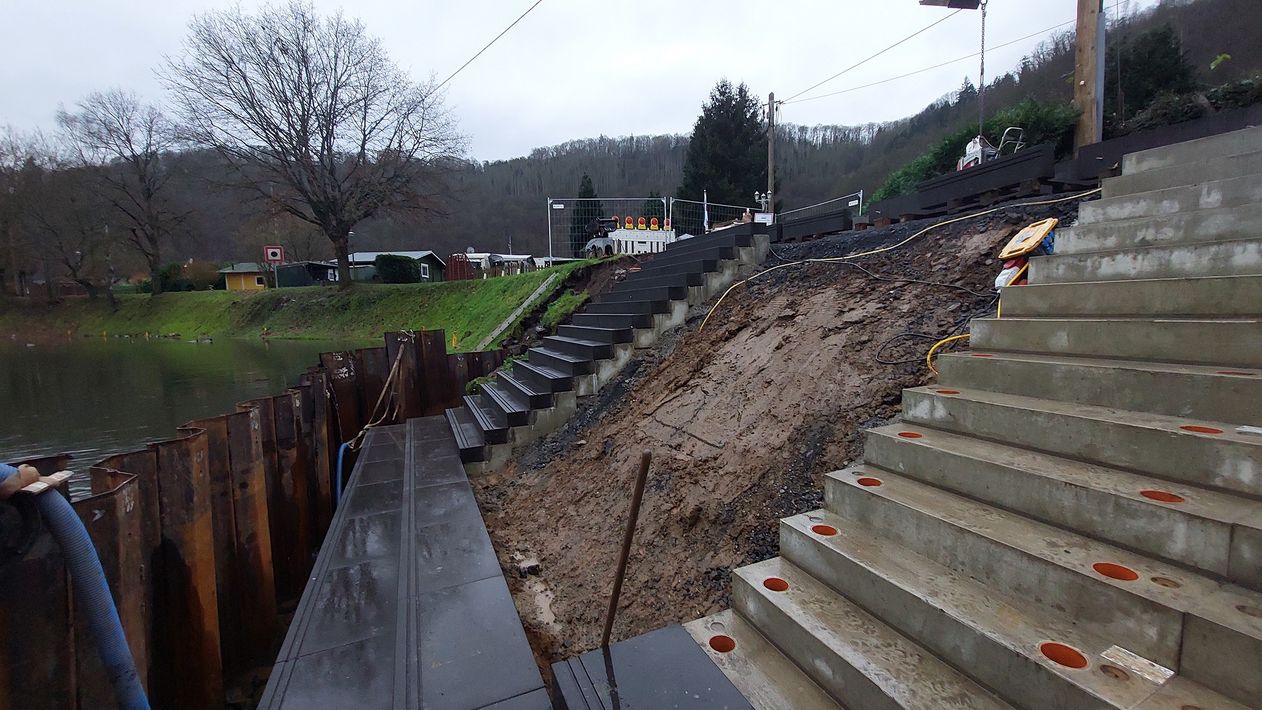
x,y
468,310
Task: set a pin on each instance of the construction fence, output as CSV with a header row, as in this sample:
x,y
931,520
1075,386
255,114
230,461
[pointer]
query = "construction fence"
x,y
575,220
208,537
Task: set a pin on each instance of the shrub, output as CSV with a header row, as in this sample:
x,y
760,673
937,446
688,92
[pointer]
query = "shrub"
x,y
396,269
1043,123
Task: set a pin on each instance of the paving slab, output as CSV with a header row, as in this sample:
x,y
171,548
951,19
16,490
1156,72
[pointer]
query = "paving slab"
x,y
406,606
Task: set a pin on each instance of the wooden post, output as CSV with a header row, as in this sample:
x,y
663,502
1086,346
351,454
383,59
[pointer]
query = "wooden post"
x,y
1088,68
771,152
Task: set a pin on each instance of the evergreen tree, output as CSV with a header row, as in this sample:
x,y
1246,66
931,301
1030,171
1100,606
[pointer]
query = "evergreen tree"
x,y
1153,63
585,211
727,154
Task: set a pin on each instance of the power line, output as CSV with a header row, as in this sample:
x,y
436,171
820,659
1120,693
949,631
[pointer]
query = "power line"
x,y
488,46
874,56
931,68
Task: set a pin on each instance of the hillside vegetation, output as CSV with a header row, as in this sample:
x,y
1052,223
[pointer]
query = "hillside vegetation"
x,y
467,310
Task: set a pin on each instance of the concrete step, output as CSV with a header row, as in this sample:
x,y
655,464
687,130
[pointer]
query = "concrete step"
x,y
1216,533
1227,342
1240,257
1191,173
1231,192
653,293
764,675
648,307
468,434
1003,640
1190,391
1191,227
597,334
490,419
571,365
578,347
855,657
543,378
613,320
1196,452
643,280
1195,626
514,408
532,395
1205,296
710,241
1246,140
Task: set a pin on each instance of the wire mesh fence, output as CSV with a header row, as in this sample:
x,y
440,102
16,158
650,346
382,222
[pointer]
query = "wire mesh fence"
x,y
692,217
852,202
573,221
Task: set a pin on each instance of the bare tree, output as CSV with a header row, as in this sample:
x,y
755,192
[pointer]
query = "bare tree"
x,y
68,216
313,115
125,143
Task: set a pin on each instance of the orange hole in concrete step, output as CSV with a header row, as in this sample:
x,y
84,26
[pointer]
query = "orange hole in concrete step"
x,y
1166,582
981,355
947,391
722,644
911,435
1162,496
869,481
776,584
1197,428
1067,656
1115,571
825,530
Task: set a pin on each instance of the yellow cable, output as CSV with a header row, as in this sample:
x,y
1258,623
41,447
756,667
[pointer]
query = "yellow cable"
x,y
940,343
891,247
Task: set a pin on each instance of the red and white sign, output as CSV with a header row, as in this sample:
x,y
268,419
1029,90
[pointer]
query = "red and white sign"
x,y
274,254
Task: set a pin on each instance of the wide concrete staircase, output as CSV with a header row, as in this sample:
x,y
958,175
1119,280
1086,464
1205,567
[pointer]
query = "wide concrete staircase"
x,y
1072,518
539,393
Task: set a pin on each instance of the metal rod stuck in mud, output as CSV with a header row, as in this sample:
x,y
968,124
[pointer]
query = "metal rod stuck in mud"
x,y
632,518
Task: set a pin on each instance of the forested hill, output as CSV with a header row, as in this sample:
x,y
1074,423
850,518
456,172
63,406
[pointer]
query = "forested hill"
x,y
490,201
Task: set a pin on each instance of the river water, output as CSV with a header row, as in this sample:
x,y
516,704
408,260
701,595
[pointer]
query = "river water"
x,y
95,397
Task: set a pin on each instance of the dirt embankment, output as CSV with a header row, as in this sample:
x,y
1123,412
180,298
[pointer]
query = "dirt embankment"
x,y
743,420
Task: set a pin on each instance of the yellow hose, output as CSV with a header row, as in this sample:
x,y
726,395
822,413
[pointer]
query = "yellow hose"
x,y
848,257
940,343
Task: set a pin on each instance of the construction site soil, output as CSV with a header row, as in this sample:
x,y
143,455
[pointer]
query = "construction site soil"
x,y
743,420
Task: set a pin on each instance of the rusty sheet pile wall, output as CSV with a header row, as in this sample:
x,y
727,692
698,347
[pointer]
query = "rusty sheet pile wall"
x,y
207,539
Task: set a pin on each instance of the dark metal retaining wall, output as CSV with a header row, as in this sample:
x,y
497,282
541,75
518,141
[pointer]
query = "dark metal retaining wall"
x,y
207,537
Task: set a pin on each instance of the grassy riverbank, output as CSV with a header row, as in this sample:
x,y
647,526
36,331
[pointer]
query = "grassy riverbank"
x,y
469,310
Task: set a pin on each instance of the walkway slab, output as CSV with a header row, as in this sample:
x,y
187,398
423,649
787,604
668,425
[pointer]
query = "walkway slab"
x,y
407,606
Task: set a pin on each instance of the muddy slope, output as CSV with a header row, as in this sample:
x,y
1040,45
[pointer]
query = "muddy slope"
x,y
743,419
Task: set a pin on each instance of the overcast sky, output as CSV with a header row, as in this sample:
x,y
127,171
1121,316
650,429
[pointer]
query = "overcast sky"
x,y
571,69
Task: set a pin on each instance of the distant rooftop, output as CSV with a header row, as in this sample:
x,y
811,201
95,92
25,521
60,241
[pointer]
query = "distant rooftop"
x,y
244,267
370,256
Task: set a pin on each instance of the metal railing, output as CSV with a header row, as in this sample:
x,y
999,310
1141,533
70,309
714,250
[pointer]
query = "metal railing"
x,y
854,199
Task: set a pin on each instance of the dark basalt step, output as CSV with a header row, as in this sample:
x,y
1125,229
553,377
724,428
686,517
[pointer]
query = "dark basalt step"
x,y
561,361
492,421
701,254
602,335
588,349
516,410
659,293
542,378
532,395
468,434
698,266
683,278
640,307
613,320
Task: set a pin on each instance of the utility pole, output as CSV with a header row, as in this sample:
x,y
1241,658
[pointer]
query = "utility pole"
x,y
1089,73
771,151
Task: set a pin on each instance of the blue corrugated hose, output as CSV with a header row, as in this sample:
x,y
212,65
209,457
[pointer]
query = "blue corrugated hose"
x,y
91,595
337,489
